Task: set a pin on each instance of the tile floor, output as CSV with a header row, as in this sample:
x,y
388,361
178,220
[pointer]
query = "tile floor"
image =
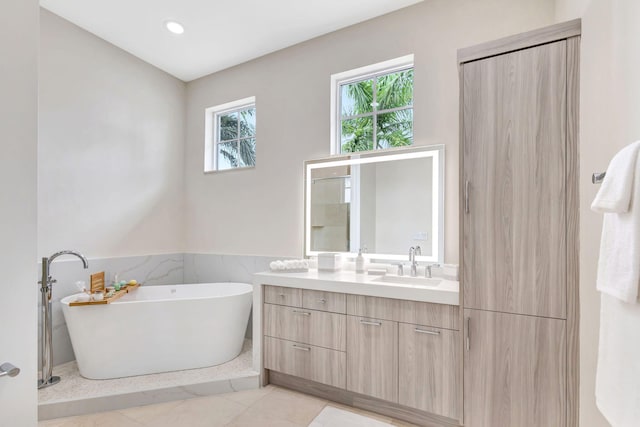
x,y
267,407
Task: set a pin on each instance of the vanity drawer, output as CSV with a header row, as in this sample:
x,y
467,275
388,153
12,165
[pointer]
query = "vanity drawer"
x,y
306,361
283,296
324,301
313,327
416,312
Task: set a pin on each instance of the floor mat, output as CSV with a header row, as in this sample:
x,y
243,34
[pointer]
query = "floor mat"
x,y
334,417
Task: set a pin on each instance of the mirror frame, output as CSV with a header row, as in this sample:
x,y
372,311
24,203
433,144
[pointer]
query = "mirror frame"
x,y
363,157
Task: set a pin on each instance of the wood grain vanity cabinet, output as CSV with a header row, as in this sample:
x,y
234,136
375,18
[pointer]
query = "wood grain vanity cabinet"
x,y
311,362
519,222
322,300
393,356
284,296
372,357
514,162
515,370
429,369
305,343
313,327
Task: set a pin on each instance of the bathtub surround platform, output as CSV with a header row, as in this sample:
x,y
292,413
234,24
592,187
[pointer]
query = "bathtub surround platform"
x,y
76,395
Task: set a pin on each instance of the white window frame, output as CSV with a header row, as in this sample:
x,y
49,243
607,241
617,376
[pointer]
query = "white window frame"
x,y
362,73
211,131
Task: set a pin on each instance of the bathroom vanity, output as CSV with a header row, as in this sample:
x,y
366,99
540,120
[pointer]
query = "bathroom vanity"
x,y
385,343
390,344
503,352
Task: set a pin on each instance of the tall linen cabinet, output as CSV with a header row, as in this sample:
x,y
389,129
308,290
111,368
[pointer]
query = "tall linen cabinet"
x,y
519,229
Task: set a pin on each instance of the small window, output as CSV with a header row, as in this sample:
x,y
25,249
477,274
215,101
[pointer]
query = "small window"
x,y
372,107
231,136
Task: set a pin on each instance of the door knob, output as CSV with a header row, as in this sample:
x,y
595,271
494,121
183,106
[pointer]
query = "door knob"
x,y
9,370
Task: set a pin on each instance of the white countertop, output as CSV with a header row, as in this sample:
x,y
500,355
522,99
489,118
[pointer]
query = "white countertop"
x,y
348,282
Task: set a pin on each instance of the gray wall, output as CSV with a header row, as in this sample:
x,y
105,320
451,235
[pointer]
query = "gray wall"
x,y
110,149
609,111
18,140
260,211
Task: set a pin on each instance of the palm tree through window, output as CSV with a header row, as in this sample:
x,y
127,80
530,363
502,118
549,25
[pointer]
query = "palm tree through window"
x,y
376,112
235,145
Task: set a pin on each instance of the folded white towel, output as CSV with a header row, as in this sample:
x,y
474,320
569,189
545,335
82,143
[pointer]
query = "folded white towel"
x,y
619,200
289,264
615,193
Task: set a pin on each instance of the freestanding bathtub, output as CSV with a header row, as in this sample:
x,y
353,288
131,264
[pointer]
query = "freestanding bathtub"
x,y
159,329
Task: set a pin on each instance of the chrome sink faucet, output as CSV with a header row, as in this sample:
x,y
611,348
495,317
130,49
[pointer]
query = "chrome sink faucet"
x,y
413,251
428,272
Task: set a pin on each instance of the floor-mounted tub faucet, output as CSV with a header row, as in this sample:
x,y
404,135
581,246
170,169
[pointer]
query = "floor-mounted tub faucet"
x,y
46,347
413,251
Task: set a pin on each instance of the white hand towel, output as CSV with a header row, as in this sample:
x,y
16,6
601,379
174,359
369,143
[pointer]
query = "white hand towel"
x,y
615,193
619,200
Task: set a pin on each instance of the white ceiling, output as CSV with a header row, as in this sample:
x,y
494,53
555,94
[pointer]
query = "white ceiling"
x,y
218,34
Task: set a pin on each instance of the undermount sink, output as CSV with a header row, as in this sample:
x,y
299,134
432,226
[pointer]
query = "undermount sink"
x,y
408,280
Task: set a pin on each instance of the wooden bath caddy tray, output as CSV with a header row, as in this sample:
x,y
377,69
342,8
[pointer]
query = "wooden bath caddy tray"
x,y
109,300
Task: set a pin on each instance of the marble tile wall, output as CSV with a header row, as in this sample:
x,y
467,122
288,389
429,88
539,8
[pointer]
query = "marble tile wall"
x,y
208,268
168,269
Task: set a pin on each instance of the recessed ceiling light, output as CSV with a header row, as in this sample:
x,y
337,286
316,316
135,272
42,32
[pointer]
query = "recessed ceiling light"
x,y
174,27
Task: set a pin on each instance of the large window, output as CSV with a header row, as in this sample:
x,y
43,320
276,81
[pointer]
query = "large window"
x,y
231,136
373,107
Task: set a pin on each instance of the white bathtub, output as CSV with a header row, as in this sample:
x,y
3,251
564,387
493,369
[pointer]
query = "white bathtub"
x,y
159,329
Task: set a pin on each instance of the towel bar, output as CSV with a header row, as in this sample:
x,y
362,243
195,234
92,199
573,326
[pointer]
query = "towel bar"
x,y
598,177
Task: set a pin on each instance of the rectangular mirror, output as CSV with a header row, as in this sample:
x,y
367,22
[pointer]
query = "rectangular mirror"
x,y
383,202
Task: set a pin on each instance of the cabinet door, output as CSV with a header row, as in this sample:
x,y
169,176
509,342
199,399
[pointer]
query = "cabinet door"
x,y
514,114
429,369
514,371
372,357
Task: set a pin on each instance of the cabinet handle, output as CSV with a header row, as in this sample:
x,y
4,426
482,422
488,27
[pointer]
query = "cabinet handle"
x,y
302,313
322,301
468,334
422,331
367,322
466,196
297,347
